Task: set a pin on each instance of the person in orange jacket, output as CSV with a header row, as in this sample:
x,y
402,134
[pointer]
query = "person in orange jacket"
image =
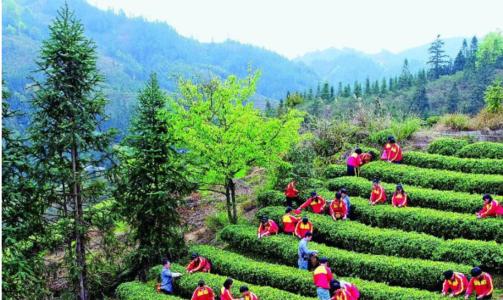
x,y
246,294
454,284
399,198
354,162
377,195
267,227
203,292
342,290
198,264
338,209
291,194
289,221
491,208
322,276
303,227
392,151
482,283
315,202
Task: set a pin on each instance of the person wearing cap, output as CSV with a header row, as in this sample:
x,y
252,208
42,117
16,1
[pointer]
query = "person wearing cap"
x,y
289,221
377,195
399,198
345,198
322,276
338,209
491,208
354,162
482,283
315,202
198,264
246,294
267,227
392,151
303,227
225,291
454,284
342,290
203,292
167,277
291,194
304,253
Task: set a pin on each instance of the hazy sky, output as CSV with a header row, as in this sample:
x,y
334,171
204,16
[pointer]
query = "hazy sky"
x,y
294,27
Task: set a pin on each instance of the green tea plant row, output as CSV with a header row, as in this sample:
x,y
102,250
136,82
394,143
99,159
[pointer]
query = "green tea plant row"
x,y
186,285
436,179
442,162
358,237
449,225
294,280
136,290
461,148
404,272
423,197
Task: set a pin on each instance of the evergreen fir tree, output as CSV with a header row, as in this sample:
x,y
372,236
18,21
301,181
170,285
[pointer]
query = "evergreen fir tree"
x,y
339,89
471,55
310,94
453,99
460,60
420,104
347,91
405,79
375,87
269,111
325,92
281,108
438,59
318,91
68,110
368,90
357,89
391,85
384,88
332,94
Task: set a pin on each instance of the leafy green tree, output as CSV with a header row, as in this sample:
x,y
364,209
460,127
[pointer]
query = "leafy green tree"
x,y
453,99
293,100
224,135
69,147
494,96
490,50
151,183
438,59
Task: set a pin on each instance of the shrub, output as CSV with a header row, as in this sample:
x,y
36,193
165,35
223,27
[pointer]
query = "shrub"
x,y
293,279
446,146
186,285
405,272
467,165
436,179
380,137
433,120
487,120
358,237
405,129
136,290
482,150
334,171
423,197
455,121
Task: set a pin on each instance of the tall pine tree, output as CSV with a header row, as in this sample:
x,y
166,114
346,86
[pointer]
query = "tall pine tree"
x,y
460,60
453,99
68,110
405,79
438,59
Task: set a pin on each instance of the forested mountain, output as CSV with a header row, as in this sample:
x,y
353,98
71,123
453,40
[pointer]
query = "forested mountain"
x,y
347,65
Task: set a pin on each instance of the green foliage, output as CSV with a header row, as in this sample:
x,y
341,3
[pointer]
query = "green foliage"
x,y
224,135
432,120
150,183
455,121
136,290
441,162
401,130
446,146
423,197
334,171
404,272
294,280
362,238
438,59
482,150
436,179
494,96
490,49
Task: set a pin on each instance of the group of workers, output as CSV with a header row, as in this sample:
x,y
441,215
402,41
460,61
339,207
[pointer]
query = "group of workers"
x,y
456,284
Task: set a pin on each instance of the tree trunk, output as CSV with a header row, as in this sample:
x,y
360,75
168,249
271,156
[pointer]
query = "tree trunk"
x,y
80,251
228,201
232,186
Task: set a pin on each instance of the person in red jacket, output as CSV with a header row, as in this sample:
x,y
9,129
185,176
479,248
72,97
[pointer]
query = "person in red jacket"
x,y
225,291
289,221
267,227
454,284
377,195
338,209
399,198
392,151
482,283
203,292
354,162
303,227
291,194
198,264
315,202
491,208
342,290
366,157
322,276
246,294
